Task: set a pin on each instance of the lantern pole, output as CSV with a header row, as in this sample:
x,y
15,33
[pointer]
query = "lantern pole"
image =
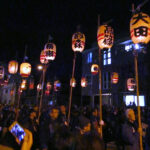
x,y
43,80
70,97
137,93
100,85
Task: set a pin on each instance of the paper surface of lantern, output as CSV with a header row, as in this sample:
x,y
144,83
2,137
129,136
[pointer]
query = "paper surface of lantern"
x,y
131,84
48,86
94,69
43,59
57,85
105,36
83,82
25,69
140,28
13,67
23,85
1,72
73,82
114,77
50,51
78,42
39,87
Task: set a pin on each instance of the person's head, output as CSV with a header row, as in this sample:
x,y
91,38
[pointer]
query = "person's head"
x,y
95,112
54,113
130,115
32,114
63,109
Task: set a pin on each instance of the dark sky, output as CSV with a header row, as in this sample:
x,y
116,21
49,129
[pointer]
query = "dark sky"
x,y
31,21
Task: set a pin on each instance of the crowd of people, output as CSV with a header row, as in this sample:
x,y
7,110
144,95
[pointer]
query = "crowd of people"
x,y
52,131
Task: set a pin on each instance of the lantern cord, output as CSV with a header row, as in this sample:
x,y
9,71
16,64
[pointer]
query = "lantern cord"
x,y
25,52
50,38
107,22
78,28
141,5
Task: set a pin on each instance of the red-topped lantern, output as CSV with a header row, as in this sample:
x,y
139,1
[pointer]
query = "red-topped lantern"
x,y
94,69
73,82
23,84
13,67
105,36
43,59
1,72
50,51
25,69
78,42
83,82
140,28
131,84
48,86
114,77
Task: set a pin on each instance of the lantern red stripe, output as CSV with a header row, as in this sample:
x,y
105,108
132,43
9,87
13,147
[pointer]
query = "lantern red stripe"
x,y
24,75
131,31
100,38
102,34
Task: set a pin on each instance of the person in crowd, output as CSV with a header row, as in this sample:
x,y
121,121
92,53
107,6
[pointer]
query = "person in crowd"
x,y
129,131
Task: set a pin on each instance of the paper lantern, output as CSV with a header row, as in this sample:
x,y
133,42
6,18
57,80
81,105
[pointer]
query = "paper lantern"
x,y
94,69
47,92
1,72
105,36
78,42
140,28
25,69
73,82
50,51
23,84
43,59
57,85
131,84
48,86
31,84
13,67
83,82
39,87
114,77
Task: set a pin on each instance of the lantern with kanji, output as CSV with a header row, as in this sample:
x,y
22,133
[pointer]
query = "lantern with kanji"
x,y
94,69
73,82
39,87
50,51
48,86
57,85
31,84
131,84
114,77
23,84
83,82
105,36
78,42
13,67
25,69
1,72
43,59
140,28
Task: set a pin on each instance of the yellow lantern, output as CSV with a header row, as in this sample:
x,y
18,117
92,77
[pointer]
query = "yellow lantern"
x,y
39,87
131,84
50,51
83,82
73,82
48,86
78,42
94,69
43,59
25,69
13,67
114,77
1,72
105,36
140,28
23,84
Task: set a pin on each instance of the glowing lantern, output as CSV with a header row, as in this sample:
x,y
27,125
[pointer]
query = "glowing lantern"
x,y
23,85
94,69
31,84
1,72
48,86
13,67
83,82
25,69
39,87
114,77
131,84
78,42
47,92
43,59
140,28
73,82
105,36
50,51
57,85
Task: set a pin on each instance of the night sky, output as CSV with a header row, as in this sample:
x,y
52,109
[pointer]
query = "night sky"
x,y
29,22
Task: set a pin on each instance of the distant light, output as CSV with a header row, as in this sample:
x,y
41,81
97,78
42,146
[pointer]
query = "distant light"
x,y
137,46
39,67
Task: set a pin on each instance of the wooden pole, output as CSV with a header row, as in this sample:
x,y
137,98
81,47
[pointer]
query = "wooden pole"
x,y
70,97
18,103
